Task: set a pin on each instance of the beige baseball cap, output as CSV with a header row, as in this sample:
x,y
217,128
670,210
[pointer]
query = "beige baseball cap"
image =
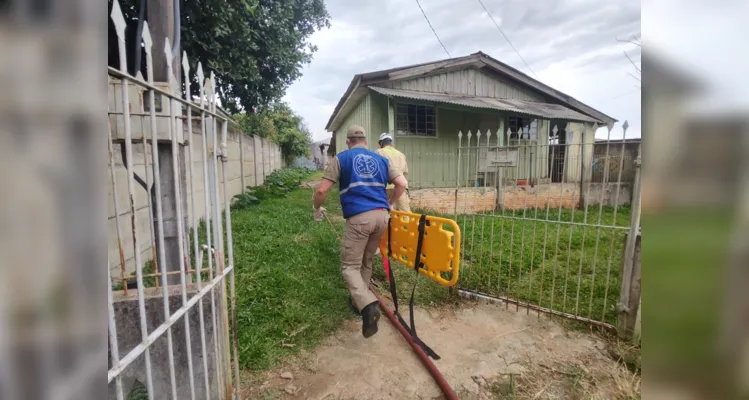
x,y
356,131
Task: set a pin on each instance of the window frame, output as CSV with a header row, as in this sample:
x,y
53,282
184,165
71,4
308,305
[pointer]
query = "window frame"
x,y
520,120
398,132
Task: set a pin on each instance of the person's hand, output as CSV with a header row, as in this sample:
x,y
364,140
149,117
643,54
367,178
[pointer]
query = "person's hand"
x,y
319,212
392,206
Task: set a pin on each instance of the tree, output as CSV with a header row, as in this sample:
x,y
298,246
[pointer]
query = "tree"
x,y
638,71
256,48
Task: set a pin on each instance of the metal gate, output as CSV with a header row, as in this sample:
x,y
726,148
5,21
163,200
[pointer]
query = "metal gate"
x,y
537,232
169,332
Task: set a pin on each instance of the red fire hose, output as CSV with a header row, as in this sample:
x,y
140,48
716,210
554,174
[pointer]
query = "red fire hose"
x,y
436,374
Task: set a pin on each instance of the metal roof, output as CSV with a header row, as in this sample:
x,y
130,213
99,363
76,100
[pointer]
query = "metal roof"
x,y
530,108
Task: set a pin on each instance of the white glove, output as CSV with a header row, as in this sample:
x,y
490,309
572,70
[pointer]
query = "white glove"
x,y
319,212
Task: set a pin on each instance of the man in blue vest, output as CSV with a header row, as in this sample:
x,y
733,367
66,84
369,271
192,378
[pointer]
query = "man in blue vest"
x,y
362,176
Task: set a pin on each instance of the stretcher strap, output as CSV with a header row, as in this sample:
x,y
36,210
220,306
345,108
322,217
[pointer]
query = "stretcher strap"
x,y
393,292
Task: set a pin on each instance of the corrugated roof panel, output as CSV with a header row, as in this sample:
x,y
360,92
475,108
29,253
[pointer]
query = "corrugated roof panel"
x,y
531,108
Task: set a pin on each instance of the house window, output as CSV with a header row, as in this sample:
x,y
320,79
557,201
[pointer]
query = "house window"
x,y
416,120
523,128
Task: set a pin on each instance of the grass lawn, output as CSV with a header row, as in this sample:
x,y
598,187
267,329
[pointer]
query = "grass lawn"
x,y
549,262
290,294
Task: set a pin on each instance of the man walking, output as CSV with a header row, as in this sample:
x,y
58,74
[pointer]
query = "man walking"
x,y
362,176
397,161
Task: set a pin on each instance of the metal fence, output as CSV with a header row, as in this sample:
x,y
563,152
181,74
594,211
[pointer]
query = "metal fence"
x,y
199,359
542,233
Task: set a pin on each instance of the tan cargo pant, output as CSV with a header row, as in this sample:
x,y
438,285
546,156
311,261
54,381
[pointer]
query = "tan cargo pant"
x,y
361,236
403,203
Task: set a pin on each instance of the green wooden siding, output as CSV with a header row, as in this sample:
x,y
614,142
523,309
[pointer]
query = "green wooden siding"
x,y
433,162
360,115
470,82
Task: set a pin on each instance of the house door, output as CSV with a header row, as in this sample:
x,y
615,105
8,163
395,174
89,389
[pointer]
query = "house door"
x,y
557,147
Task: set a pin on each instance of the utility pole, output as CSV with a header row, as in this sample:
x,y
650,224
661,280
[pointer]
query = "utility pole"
x,y
161,24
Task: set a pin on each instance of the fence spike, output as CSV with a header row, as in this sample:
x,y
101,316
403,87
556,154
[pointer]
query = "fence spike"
x,y
168,52
625,126
119,20
509,133
488,136
213,87
146,36
185,64
201,79
555,130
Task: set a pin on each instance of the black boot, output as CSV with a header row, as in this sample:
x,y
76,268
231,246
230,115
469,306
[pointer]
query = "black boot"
x,y
370,316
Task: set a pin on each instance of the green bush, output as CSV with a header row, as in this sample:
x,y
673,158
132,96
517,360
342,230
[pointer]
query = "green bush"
x,y
278,184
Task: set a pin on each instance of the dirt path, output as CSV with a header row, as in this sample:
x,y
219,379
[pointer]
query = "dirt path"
x,y
487,353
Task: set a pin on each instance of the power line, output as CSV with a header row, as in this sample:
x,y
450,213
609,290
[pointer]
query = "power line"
x,y
506,38
435,32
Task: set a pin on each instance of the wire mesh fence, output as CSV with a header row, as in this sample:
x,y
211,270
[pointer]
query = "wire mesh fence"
x,y
550,235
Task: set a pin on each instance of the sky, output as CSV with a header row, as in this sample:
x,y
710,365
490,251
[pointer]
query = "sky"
x,y
570,45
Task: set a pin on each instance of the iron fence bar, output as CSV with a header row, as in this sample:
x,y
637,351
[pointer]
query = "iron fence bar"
x,y
494,209
173,128
616,209
603,226
503,299
119,23
559,217
197,264
154,256
629,250
537,178
217,258
483,210
465,203
474,269
161,329
204,126
604,182
219,241
572,219
230,251
586,204
110,304
549,169
522,231
160,222
115,196
149,85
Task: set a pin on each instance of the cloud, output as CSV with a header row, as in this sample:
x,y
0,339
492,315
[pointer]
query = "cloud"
x,y
570,44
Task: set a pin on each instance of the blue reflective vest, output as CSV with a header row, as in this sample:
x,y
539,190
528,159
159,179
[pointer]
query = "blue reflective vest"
x,y
364,175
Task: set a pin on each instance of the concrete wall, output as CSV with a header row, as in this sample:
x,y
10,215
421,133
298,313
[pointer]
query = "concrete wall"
x,y
129,336
472,200
250,160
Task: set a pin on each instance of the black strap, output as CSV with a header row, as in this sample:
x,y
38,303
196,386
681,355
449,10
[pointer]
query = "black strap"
x,y
393,292
390,231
